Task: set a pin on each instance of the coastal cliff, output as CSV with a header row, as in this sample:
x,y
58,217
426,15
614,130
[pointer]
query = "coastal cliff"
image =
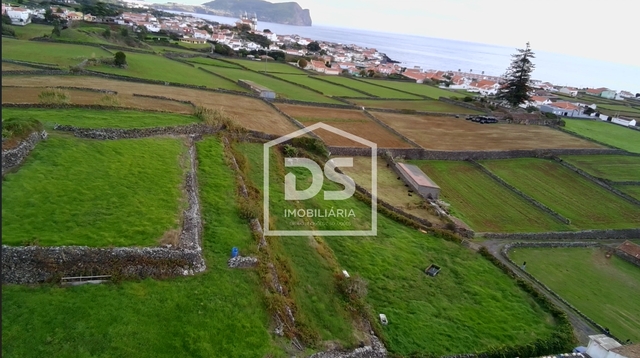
x,y
288,13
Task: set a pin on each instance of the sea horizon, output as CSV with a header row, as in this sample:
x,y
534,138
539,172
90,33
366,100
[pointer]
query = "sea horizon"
x,y
451,55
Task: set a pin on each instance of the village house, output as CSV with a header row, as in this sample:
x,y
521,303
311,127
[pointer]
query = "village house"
x,y
570,91
484,87
18,16
251,22
563,109
318,66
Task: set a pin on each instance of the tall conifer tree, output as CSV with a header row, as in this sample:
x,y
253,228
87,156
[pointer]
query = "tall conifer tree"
x,y
516,89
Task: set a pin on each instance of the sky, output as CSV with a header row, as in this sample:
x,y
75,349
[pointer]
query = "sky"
x,y
598,30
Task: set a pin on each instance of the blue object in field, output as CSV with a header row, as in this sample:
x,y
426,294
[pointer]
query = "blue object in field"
x,y
234,252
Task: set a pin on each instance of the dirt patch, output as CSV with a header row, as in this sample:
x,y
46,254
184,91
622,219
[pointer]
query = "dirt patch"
x,y
250,113
446,133
6,66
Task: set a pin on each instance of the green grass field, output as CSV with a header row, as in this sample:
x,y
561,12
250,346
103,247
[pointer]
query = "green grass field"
x,y
271,66
281,88
611,167
605,289
469,307
32,30
633,190
417,88
212,62
217,312
319,306
73,191
327,88
158,48
608,133
155,67
621,108
483,203
51,53
100,119
369,88
418,105
586,204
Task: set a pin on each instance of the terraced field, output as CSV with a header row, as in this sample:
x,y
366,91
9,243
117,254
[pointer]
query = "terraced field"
x,y
586,204
49,53
483,203
608,133
611,167
270,66
418,105
369,88
416,88
326,88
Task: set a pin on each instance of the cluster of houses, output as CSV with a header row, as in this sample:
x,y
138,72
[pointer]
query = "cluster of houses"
x,y
19,16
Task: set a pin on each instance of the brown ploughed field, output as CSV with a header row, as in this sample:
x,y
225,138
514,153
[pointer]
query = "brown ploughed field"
x,y
249,112
457,134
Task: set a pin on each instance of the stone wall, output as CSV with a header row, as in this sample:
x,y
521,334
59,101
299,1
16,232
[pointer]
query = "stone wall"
x,y
567,235
11,158
84,106
39,65
629,258
595,180
521,194
35,264
118,133
85,89
424,154
36,73
505,253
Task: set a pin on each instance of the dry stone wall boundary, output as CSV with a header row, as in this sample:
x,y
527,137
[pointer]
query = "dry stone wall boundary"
x,y
118,133
12,158
612,234
36,264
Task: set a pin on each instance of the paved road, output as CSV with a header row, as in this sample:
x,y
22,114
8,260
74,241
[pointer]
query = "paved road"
x,y
581,328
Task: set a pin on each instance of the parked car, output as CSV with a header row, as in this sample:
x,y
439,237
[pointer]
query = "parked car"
x,y
484,119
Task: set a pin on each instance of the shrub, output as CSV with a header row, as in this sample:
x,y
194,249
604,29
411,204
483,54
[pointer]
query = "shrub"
x,y
217,117
7,30
561,123
550,115
107,33
109,100
354,287
302,63
289,151
120,59
54,96
468,99
313,145
20,127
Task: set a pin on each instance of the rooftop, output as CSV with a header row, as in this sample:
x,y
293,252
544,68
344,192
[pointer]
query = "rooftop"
x,y
417,175
630,248
605,341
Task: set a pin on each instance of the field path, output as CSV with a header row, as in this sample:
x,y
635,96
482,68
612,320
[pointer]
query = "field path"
x,y
581,328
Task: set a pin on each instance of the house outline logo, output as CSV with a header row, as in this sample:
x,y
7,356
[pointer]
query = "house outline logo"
x,y
374,184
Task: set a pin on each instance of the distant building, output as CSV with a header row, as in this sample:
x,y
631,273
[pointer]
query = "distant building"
x,y
608,94
418,181
19,16
252,23
573,92
261,91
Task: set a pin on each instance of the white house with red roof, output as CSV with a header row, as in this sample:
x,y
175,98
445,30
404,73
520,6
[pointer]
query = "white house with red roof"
x,y
564,109
318,66
484,87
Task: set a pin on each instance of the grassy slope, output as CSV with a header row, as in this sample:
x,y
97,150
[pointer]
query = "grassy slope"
x,y
218,312
212,62
156,67
417,88
282,88
52,53
324,87
612,167
620,108
100,119
633,190
319,305
72,191
32,30
608,133
604,289
369,88
271,66
423,105
586,204
470,306
484,204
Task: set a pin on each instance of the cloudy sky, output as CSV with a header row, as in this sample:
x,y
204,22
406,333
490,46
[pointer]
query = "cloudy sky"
x,y
600,30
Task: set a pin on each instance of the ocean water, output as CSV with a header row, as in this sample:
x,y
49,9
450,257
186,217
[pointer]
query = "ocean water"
x,y
443,54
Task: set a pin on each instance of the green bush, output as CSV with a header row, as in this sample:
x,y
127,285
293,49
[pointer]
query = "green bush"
x,y
468,99
20,127
7,30
289,151
313,145
54,96
120,59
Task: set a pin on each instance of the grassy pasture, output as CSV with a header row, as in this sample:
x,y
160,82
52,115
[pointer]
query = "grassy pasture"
x,y
611,167
621,108
633,190
73,191
281,88
221,310
605,289
155,67
212,62
51,53
377,91
484,204
327,89
32,30
417,88
313,285
470,306
612,134
271,66
586,204
418,105
100,119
